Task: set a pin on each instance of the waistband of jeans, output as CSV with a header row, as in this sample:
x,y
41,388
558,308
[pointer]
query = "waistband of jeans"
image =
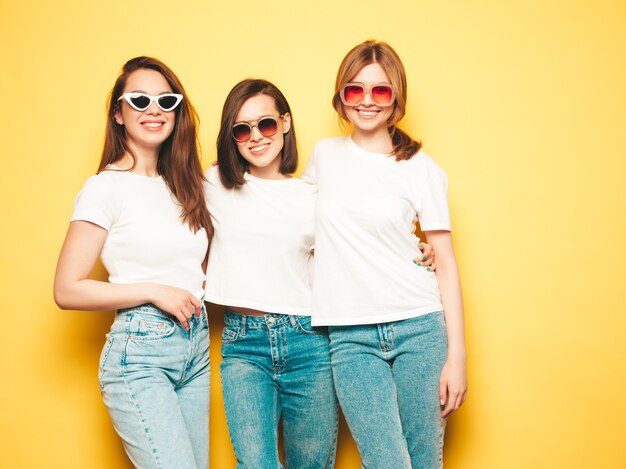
x,y
249,321
150,308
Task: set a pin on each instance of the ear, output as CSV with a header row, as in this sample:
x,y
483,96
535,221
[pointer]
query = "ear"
x,y
286,123
118,116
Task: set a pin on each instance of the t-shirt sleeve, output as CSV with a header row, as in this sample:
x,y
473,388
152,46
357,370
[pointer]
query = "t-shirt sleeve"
x,y
433,213
97,202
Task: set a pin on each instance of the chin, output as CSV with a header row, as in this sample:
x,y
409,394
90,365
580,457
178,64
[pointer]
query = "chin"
x,y
370,126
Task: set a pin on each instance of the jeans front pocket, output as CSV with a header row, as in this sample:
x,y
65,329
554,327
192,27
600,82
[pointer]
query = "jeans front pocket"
x,y
304,326
147,326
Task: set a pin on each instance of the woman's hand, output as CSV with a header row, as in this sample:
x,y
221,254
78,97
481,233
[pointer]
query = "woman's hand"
x,y
176,301
452,386
427,260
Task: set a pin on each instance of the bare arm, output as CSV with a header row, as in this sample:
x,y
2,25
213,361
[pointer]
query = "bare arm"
x,y
453,380
73,289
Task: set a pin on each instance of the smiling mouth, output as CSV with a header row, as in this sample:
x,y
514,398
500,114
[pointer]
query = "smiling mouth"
x,y
259,148
152,125
368,112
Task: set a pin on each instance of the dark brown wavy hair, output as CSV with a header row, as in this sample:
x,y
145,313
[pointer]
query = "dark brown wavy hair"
x,y
369,52
232,165
179,156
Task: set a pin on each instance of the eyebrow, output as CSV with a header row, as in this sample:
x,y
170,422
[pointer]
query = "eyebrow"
x,y
145,92
257,120
369,83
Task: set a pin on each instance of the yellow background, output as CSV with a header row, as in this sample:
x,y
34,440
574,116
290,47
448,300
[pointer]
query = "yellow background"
x,y
522,103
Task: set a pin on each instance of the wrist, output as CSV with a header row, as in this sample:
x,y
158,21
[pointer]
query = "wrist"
x,y
457,355
148,293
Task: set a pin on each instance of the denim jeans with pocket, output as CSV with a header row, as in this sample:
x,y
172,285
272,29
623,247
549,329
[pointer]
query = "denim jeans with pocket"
x,y
154,378
277,365
387,381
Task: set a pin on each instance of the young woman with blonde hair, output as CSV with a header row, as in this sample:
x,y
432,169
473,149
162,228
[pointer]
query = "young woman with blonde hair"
x,y
396,331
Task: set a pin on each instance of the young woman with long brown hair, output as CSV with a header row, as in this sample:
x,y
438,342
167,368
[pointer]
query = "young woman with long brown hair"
x,y
396,331
144,213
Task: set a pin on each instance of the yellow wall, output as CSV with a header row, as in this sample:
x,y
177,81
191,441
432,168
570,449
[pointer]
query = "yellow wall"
x,y
523,104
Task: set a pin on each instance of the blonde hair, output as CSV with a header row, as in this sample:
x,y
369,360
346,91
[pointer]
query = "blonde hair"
x,y
369,52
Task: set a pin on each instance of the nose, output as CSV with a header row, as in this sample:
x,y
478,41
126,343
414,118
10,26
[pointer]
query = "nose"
x,y
367,99
153,109
255,134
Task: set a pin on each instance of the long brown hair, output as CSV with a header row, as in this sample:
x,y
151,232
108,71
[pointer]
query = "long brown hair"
x,y
179,156
232,165
369,52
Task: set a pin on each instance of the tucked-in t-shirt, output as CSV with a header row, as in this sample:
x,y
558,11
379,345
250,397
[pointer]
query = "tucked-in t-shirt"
x,y
147,240
262,245
367,208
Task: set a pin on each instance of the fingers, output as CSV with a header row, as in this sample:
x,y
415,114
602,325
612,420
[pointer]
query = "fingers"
x,y
453,402
443,392
182,318
431,267
448,409
426,249
189,308
195,306
444,399
460,400
428,255
182,304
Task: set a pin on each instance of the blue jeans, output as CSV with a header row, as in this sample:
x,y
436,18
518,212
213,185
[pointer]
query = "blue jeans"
x,y
387,381
154,378
278,364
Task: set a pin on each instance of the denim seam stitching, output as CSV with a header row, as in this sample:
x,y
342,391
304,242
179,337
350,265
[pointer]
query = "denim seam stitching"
x,y
301,328
146,432
109,346
442,431
133,399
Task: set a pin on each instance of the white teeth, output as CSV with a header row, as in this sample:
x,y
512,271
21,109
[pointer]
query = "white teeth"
x,y
153,124
368,113
259,149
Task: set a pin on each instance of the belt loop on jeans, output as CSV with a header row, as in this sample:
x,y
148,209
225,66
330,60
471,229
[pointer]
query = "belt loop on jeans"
x,y
242,325
205,313
293,320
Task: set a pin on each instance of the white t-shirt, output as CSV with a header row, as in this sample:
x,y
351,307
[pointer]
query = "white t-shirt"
x,y
263,241
147,240
367,207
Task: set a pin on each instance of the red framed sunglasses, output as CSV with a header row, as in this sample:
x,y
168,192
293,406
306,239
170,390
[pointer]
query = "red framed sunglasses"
x,y
381,94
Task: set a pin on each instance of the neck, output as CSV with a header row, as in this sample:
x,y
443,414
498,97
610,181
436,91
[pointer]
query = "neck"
x,y
272,171
145,161
375,141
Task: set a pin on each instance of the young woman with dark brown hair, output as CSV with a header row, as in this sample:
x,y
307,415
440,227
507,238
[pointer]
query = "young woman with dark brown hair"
x,y
274,363
145,214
